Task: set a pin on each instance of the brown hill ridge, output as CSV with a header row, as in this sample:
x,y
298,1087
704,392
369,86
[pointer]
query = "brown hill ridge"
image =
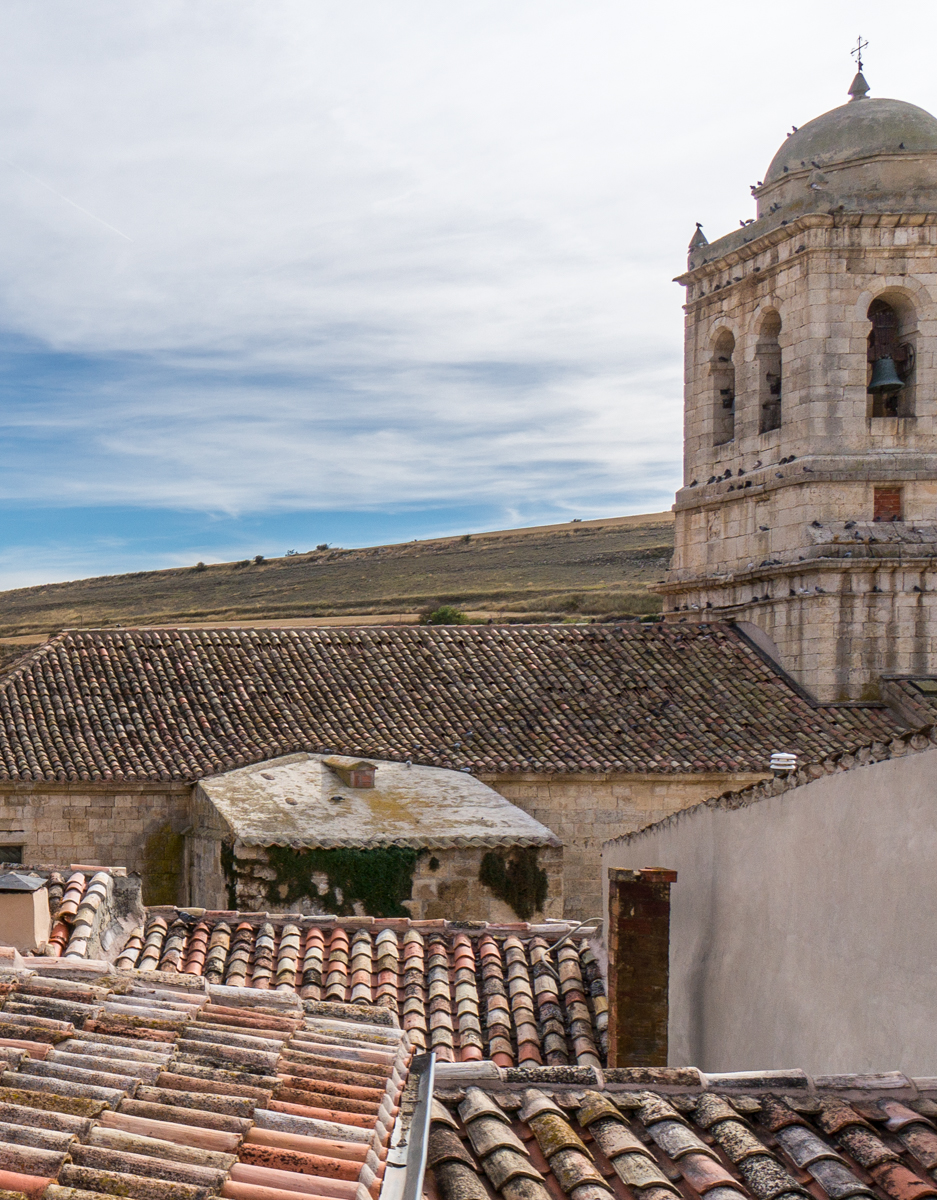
x,y
597,567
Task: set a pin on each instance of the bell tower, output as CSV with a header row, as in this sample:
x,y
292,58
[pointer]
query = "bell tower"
x,y
808,512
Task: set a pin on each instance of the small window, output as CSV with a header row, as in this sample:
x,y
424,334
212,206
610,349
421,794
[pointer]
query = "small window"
x,y
887,504
11,854
723,373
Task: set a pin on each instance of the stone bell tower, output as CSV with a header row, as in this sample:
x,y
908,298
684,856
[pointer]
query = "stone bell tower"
x,y
809,506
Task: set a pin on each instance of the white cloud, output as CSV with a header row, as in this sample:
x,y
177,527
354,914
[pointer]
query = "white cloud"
x,y
380,253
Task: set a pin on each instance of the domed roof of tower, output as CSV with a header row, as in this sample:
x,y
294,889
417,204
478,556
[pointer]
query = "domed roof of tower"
x,y
863,128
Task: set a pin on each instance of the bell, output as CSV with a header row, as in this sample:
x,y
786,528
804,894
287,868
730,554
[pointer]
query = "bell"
x,y
884,377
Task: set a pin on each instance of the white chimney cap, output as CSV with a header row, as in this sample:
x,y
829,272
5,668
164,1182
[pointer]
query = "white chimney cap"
x,y
782,761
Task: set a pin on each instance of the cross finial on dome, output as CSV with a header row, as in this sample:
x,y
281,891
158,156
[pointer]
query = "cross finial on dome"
x,y
858,89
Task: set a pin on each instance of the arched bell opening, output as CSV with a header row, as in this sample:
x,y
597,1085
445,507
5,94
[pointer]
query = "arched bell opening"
x,y
768,357
723,374
891,356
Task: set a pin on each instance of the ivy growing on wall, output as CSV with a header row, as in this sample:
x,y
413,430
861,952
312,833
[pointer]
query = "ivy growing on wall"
x,y
380,879
517,880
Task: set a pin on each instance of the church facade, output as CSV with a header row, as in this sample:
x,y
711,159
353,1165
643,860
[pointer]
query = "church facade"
x,y
808,513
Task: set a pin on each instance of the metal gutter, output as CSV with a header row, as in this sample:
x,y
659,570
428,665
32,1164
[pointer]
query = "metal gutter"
x,y
425,1066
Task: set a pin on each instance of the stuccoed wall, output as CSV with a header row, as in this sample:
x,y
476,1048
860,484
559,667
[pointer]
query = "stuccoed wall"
x,y
584,811
801,929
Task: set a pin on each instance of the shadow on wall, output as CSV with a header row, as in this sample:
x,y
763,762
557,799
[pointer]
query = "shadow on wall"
x,y
163,867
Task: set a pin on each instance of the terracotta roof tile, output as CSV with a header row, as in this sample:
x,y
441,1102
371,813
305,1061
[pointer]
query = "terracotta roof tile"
x,y
497,992
181,1114
167,705
558,1141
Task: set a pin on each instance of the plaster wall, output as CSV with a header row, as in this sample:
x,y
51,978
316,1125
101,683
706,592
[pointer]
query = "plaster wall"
x,y
586,810
24,919
802,933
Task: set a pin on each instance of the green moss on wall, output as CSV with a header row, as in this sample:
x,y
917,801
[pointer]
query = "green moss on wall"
x,y
163,863
516,879
380,879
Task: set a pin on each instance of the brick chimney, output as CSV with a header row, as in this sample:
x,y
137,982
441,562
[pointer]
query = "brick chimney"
x,y
353,772
638,966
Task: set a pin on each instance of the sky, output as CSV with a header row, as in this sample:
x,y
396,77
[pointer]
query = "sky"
x,y
281,273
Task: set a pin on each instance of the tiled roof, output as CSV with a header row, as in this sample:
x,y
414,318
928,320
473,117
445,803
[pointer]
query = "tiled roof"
x,y
917,698
183,704
913,741
490,991
168,1090
537,1136
297,801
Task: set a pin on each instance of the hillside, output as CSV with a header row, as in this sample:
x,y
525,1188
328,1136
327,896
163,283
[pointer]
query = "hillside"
x,y
590,567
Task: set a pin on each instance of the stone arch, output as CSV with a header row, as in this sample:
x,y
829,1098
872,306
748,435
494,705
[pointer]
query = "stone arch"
x,y
892,320
768,358
722,370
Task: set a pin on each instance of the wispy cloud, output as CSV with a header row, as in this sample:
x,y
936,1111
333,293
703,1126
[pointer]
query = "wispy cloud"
x,y
410,258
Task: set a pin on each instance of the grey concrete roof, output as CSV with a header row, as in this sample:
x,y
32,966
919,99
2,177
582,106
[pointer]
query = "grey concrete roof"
x,y
292,801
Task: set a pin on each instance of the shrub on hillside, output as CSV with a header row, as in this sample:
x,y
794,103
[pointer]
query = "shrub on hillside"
x,y
446,614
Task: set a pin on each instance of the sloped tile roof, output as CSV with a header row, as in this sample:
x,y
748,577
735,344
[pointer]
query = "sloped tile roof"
x,y
165,1089
539,1137
183,704
912,741
917,697
504,992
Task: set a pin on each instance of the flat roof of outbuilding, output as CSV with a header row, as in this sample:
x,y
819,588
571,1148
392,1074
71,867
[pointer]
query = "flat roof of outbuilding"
x,y
298,801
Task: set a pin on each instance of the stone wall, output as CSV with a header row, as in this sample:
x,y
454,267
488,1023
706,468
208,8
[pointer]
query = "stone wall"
x,y
174,838
584,811
445,883
776,528
137,826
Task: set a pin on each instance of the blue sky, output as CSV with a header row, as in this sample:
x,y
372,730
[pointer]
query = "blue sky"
x,y
279,273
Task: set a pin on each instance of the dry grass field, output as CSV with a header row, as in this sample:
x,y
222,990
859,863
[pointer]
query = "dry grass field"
x,y
599,568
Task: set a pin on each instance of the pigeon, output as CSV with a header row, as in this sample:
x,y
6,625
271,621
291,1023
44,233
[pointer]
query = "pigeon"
x,y
809,470
694,483
816,524
757,465
740,471
711,479
778,475
849,525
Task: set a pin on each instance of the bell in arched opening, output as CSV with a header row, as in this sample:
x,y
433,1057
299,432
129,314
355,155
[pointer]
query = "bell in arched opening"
x,y
891,361
885,378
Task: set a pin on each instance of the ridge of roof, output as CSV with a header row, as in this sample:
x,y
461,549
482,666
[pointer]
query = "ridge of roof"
x,y
914,741
686,1081
180,705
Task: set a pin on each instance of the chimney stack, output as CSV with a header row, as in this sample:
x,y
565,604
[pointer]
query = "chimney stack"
x,y
638,966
